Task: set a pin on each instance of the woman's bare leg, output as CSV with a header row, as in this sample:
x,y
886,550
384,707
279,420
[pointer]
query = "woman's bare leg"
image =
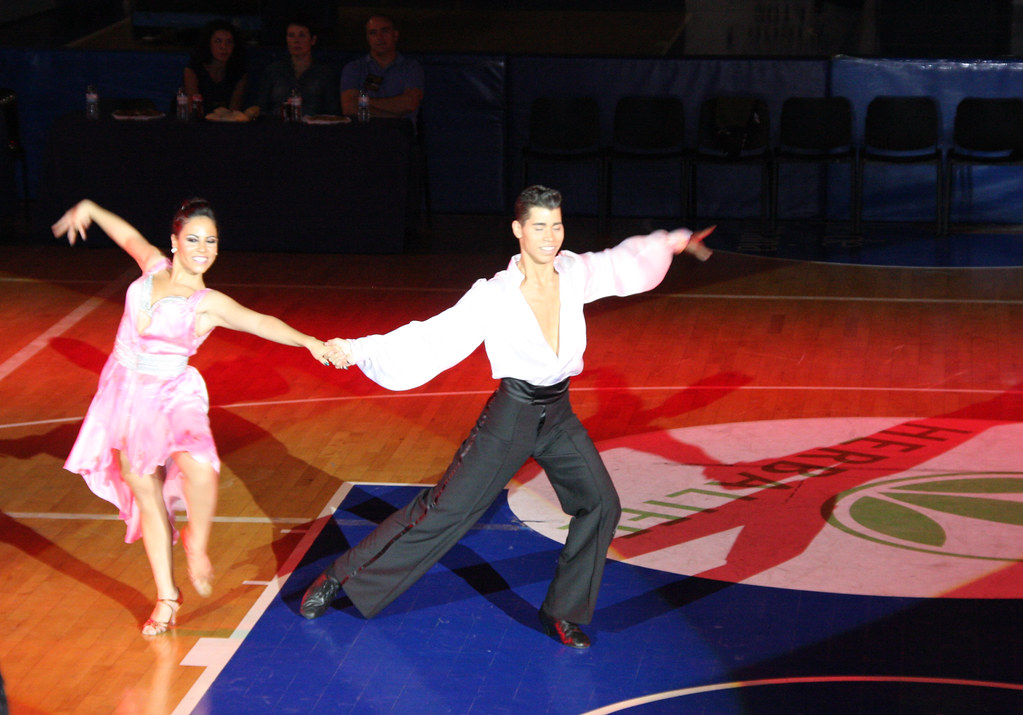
x,y
201,483
156,537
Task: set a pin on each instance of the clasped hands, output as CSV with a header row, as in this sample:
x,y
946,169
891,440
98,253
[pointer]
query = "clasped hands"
x,y
338,354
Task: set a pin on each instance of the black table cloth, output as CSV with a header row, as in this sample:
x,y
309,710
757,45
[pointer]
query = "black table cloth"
x,y
275,186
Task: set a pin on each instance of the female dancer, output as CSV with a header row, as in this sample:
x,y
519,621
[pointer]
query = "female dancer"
x,y
145,444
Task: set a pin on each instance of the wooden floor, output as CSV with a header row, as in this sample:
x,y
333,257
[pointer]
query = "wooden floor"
x,y
778,339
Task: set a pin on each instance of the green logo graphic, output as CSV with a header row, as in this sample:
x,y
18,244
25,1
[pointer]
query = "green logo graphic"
x,y
939,514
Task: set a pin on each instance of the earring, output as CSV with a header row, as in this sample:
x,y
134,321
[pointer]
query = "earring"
x,y
174,249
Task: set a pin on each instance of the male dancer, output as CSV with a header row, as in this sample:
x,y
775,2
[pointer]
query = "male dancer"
x,y
530,318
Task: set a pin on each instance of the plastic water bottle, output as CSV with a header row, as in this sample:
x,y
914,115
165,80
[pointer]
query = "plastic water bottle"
x,y
295,106
182,105
363,115
91,103
197,112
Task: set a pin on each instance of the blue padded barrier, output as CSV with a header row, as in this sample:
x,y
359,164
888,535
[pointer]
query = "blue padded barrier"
x,y
980,194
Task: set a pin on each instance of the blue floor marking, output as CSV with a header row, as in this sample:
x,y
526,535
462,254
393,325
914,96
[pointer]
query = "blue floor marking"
x,y
465,639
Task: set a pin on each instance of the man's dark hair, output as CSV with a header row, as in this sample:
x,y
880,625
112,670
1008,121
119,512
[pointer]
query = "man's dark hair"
x,y
301,19
536,196
384,16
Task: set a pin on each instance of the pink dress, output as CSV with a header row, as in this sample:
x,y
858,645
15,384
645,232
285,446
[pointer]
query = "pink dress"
x,y
150,403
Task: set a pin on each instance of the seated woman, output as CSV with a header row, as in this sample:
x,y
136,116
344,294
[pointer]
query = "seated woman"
x,y
217,67
317,82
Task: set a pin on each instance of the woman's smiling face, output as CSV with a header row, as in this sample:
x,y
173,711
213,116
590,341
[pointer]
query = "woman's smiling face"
x,y
197,244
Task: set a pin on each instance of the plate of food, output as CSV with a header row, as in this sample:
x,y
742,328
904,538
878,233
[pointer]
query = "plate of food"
x,y
325,119
136,114
223,114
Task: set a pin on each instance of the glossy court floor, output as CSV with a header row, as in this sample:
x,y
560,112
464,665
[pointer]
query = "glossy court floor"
x,y
817,457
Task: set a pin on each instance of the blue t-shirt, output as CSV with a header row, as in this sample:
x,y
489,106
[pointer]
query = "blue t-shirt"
x,y
398,77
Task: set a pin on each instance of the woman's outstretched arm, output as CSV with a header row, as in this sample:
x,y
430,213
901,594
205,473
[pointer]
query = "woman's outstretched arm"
x,y
220,310
76,222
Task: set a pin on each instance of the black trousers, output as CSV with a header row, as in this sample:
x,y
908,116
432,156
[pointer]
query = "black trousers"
x,y
518,422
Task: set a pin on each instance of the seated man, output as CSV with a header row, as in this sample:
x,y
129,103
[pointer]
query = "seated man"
x,y
392,81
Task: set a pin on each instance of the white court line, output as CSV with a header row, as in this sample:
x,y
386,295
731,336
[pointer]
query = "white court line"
x,y
737,685
577,390
29,351
222,653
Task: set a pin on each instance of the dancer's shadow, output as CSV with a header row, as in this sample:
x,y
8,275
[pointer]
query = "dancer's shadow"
x,y
56,443
494,580
62,561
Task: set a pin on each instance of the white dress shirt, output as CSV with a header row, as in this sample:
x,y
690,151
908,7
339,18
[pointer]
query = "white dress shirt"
x,y
496,313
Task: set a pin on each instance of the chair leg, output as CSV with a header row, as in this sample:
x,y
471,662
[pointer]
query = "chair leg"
x,y
683,192
603,193
26,204
24,181
424,179
775,171
854,228
857,227
608,188
942,206
692,198
765,193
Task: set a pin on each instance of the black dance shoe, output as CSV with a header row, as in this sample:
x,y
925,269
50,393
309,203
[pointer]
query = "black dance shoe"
x,y
564,632
319,595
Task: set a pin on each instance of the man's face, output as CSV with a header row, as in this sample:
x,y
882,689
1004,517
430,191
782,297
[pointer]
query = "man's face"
x,y
540,235
381,36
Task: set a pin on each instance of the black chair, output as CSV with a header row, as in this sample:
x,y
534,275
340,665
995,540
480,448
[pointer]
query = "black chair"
x,y
648,129
566,129
9,107
987,131
734,130
815,130
902,130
